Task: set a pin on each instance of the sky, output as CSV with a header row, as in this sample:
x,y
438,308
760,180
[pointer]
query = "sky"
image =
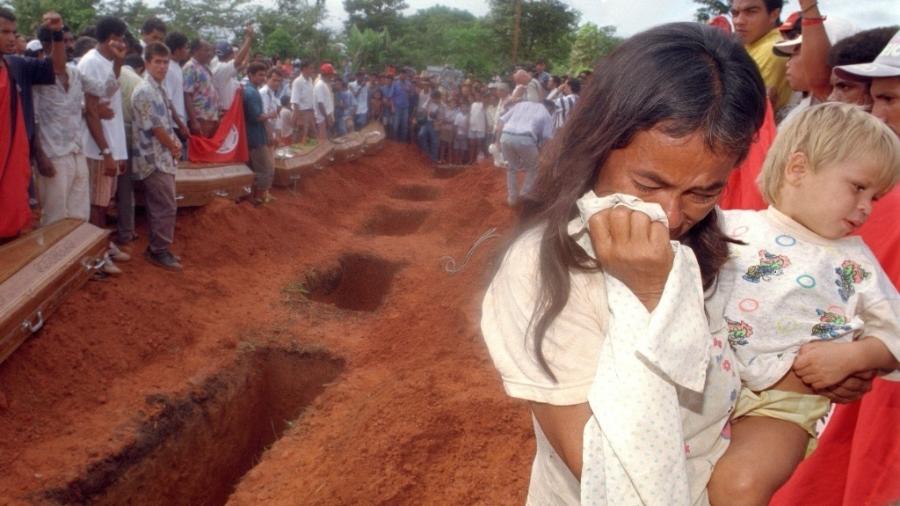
x,y
632,16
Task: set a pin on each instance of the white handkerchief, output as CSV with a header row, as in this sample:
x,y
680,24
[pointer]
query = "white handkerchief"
x,y
633,444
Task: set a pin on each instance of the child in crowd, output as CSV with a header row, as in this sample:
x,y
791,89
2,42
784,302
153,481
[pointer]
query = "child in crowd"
x,y
461,135
477,126
376,105
446,130
490,112
809,305
286,125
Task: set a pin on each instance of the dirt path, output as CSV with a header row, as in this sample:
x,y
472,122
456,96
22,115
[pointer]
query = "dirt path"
x,y
164,388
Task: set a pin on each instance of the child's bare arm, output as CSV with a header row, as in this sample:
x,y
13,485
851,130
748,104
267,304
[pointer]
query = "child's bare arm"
x,y
824,364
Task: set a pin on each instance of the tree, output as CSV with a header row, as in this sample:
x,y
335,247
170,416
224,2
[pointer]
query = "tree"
x,y
710,8
366,48
547,28
591,43
77,14
374,14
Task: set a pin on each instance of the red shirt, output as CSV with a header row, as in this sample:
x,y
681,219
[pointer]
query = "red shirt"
x,y
15,169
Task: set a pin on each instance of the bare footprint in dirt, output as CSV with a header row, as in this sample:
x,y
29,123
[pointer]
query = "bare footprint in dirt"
x,y
394,222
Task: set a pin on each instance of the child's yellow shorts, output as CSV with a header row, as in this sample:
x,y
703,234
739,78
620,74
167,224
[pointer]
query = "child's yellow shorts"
x,y
804,410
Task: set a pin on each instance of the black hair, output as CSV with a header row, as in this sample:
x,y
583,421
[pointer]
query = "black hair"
x,y
109,26
176,41
771,5
275,71
285,100
256,67
155,49
196,43
83,45
862,47
133,46
678,78
7,15
134,61
153,24
304,64
575,86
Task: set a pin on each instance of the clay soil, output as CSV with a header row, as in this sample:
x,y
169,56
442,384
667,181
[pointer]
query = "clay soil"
x,y
312,352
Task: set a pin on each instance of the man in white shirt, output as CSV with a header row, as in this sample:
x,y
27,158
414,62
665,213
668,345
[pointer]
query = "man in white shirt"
x,y
303,102
173,84
62,178
104,141
227,65
360,91
324,106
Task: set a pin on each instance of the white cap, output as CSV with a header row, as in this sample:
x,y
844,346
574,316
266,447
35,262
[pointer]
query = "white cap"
x,y
836,29
34,45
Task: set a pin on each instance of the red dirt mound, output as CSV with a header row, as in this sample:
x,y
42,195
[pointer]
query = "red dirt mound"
x,y
277,351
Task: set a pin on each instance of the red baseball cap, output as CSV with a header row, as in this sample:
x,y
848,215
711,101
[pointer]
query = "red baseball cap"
x,y
326,68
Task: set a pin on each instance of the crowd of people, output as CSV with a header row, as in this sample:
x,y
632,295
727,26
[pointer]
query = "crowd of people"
x,y
105,112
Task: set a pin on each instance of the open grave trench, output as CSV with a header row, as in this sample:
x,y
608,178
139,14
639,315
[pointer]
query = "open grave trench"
x,y
195,447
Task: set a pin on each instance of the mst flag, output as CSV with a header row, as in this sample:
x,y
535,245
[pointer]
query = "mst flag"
x,y
228,144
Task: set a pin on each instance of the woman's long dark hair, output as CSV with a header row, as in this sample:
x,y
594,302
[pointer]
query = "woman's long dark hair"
x,y
681,78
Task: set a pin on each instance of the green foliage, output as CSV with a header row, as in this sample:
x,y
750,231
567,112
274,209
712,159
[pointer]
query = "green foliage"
x,y
77,14
279,43
547,29
709,9
591,43
376,15
366,48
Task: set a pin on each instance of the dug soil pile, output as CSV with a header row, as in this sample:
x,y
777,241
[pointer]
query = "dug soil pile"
x,y
314,351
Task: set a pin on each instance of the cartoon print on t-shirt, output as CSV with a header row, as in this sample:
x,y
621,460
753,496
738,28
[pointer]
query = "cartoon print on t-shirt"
x,y
769,265
738,332
849,273
831,326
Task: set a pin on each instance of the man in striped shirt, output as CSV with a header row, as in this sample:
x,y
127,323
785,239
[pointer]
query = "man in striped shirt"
x,y
565,103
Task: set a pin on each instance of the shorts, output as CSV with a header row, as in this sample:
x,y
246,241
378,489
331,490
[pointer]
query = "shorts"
x,y
803,410
103,187
461,143
446,135
476,134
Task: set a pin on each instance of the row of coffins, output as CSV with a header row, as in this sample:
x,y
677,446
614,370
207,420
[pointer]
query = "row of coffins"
x,y
39,270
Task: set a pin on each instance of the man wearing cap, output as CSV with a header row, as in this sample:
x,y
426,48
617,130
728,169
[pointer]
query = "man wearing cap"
x,y
227,65
756,25
324,101
303,103
807,68
885,89
201,99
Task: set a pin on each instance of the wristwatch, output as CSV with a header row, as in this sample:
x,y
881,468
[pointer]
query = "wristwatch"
x,y
105,151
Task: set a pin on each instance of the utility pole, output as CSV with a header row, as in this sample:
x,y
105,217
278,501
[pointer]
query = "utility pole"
x,y
516,28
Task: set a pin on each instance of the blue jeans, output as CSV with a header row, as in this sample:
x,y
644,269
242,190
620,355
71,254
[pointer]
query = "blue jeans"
x,y
340,124
360,120
428,139
400,124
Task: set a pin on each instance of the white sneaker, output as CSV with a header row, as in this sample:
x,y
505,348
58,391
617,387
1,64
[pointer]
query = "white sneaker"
x,y
111,268
117,254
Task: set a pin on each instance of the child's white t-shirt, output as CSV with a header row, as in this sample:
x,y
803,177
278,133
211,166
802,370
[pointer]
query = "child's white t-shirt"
x,y
792,287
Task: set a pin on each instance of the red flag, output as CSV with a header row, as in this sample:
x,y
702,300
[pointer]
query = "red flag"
x,y
15,169
742,191
229,143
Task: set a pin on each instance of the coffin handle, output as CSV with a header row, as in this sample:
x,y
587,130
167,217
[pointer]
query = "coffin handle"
x,y
93,264
36,326
221,193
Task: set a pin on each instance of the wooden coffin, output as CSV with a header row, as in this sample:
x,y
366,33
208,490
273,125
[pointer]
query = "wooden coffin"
x,y
348,147
373,138
37,273
197,185
291,163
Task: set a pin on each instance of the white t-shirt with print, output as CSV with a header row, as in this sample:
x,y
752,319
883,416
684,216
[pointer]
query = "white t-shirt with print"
x,y
99,79
793,287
